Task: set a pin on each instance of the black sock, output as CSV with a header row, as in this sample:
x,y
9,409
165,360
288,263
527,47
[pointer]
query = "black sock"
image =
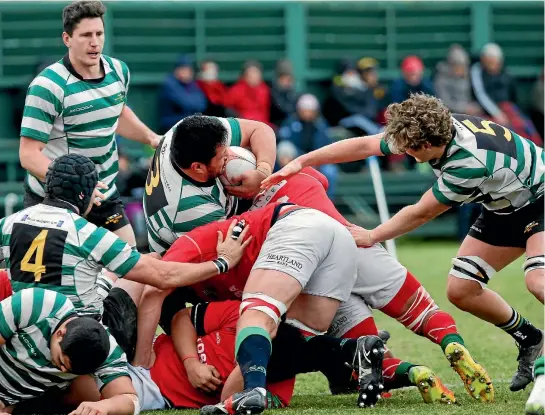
x,y
253,351
520,329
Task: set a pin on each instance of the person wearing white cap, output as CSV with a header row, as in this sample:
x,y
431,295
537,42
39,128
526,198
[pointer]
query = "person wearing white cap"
x,y
307,130
495,91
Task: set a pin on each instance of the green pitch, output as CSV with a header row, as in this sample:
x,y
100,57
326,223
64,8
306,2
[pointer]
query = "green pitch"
x,y
430,263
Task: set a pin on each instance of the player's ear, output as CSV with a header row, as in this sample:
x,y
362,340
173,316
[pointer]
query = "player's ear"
x,y
66,39
199,168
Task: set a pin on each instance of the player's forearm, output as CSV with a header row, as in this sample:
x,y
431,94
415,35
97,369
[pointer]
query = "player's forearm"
x,y
118,405
165,275
406,220
149,314
351,149
131,128
263,145
184,337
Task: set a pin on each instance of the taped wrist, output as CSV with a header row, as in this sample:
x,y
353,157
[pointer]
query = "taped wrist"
x,y
222,264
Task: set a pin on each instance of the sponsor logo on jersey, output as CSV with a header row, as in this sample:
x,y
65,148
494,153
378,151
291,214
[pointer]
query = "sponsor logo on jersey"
x,y
530,226
31,350
235,291
59,223
24,218
285,261
87,107
120,97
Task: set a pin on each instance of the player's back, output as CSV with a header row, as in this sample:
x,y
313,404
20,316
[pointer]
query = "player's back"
x,y
498,167
53,248
307,188
199,245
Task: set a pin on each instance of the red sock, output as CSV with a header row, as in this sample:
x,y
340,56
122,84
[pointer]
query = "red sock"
x,y
366,328
438,326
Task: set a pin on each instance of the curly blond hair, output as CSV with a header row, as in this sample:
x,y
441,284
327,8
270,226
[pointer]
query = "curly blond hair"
x,y
418,120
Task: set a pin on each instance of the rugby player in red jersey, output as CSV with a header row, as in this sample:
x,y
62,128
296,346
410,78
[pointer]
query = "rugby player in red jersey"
x,y
5,285
195,366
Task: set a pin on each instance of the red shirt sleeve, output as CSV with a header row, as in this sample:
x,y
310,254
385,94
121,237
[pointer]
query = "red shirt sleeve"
x,y
210,317
5,285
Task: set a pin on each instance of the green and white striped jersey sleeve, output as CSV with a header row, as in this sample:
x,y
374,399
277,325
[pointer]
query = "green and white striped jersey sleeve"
x,y
104,248
457,184
122,70
385,148
115,365
43,105
30,306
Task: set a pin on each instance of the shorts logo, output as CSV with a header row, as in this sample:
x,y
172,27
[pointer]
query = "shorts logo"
x,y
116,217
476,229
285,261
530,226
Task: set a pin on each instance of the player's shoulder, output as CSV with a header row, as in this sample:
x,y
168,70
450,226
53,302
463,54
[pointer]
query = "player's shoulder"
x,y
53,78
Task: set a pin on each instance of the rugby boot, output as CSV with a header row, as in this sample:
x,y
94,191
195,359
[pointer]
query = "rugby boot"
x,y
347,386
247,402
367,364
526,358
430,386
476,381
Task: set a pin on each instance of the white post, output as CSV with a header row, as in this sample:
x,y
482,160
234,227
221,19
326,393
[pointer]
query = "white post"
x,y
382,205
11,201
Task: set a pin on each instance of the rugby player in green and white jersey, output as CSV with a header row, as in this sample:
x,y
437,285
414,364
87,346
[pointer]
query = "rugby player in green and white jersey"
x,y
476,161
183,190
77,105
51,245
45,345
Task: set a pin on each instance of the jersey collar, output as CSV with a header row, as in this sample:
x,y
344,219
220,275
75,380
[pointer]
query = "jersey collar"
x,y
66,62
60,204
439,162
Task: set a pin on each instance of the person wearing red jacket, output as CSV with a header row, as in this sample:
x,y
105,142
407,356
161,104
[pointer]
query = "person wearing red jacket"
x,y
213,88
250,96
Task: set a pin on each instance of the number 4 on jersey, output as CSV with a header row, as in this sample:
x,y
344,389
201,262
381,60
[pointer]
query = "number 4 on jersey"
x,y
37,247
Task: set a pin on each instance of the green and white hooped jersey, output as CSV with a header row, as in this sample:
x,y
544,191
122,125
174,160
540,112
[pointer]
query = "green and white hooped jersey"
x,y
51,247
175,204
28,319
72,115
489,164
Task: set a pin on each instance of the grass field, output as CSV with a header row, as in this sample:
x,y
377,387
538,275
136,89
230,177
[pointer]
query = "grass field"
x,y
430,262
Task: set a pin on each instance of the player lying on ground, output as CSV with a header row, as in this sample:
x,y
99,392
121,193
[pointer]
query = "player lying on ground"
x,y
382,282
183,190
44,345
195,365
51,245
476,161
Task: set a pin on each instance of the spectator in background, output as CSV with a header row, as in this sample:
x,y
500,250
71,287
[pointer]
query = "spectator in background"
x,y
496,93
307,130
452,84
180,95
352,104
213,88
537,104
283,94
250,96
412,80
368,69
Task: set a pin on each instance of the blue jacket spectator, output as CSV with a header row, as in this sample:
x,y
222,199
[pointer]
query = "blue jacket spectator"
x,y
307,130
180,96
412,82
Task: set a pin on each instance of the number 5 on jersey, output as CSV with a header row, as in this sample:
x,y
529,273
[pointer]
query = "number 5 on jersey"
x,y
37,250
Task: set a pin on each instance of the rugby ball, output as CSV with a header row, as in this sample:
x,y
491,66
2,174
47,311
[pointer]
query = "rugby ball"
x,y
239,162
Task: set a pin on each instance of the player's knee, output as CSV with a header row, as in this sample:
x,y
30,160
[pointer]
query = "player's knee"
x,y
265,306
472,268
534,272
461,292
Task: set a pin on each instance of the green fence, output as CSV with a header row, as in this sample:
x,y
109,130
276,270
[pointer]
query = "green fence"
x,y
314,35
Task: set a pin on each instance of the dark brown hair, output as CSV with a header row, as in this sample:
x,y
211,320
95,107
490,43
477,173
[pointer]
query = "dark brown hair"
x,y
79,10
